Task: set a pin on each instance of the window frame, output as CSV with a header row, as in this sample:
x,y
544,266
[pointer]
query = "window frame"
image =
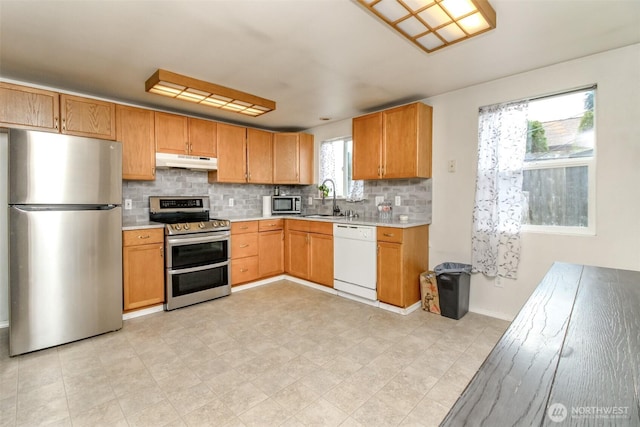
x,y
345,151
590,162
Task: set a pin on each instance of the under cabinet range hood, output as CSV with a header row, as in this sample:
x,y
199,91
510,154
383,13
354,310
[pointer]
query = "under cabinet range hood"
x,y
167,160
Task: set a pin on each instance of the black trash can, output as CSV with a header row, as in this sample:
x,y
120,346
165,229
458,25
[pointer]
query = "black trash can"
x,y
453,288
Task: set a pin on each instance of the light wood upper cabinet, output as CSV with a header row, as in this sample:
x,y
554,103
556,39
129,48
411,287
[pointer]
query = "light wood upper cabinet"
x,y
367,146
203,136
143,268
259,156
292,158
87,117
29,108
172,133
394,143
135,129
232,154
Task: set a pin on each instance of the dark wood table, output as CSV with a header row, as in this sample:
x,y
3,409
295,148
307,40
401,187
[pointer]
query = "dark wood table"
x,y
570,357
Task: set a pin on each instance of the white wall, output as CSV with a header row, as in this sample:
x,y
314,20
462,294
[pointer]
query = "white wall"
x,y
617,240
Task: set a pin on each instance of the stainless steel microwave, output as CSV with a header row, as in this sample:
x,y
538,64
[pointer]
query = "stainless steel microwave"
x,y
281,205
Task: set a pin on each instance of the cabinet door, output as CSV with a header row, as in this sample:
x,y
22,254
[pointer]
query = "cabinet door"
x,y
297,253
321,259
390,273
367,143
172,134
88,117
305,156
232,154
286,158
143,275
259,156
270,253
202,137
135,129
400,142
29,108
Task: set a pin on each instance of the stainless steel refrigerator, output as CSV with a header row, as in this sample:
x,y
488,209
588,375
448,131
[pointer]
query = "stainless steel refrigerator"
x,y
65,239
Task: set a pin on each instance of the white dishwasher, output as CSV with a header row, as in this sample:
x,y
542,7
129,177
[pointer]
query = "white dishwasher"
x,y
354,260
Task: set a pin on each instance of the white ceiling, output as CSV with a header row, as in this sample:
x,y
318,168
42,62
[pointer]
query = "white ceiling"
x,y
315,58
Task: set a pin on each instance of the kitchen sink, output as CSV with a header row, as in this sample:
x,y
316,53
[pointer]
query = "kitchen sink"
x,y
322,216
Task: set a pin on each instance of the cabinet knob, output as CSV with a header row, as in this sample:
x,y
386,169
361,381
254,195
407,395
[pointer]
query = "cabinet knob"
x,y
389,234
244,270
64,124
55,123
244,246
161,252
146,236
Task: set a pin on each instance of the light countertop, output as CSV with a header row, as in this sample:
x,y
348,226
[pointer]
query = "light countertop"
x,y
370,221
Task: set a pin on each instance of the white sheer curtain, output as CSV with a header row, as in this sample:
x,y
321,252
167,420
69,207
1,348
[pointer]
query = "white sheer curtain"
x,y
327,161
497,214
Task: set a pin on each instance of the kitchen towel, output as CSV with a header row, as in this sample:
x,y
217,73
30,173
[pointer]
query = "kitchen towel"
x,y
266,206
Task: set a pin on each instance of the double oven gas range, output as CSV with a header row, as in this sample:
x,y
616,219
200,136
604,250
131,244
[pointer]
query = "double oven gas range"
x,y
197,250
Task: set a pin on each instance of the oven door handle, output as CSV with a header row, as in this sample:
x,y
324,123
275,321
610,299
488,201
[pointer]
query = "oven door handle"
x,y
179,241
199,268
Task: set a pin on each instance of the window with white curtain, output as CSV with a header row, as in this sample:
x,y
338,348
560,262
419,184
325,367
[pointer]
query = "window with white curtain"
x,y
536,161
336,164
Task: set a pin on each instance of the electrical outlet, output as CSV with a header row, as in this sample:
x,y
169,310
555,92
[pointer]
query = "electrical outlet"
x,y
128,204
498,282
230,202
451,167
397,201
379,199
310,200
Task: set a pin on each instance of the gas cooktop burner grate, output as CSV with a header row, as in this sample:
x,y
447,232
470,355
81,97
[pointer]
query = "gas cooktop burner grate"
x,y
185,215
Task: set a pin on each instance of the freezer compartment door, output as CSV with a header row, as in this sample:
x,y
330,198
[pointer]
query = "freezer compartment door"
x,y
49,168
65,276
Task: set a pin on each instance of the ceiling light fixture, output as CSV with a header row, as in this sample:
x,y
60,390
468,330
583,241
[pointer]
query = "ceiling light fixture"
x,y
177,86
434,24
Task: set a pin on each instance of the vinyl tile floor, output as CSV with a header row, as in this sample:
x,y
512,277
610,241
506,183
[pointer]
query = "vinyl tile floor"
x,y
277,355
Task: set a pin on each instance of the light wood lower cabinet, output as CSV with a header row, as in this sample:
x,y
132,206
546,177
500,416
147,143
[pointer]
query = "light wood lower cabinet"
x,y
135,129
270,247
402,255
244,252
309,250
143,268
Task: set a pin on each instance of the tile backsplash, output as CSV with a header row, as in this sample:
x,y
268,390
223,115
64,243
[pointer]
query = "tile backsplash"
x,y
415,194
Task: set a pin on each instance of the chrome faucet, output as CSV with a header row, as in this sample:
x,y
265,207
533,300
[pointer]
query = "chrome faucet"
x,y
336,208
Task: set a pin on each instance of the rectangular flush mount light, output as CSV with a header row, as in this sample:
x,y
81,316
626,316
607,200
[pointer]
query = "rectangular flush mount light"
x,y
177,86
434,24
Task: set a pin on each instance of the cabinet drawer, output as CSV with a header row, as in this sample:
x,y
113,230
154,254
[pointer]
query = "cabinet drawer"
x,y
390,234
297,224
244,227
270,224
244,270
321,227
142,236
244,245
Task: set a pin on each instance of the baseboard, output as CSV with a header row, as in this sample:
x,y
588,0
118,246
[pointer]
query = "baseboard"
x,y
400,310
494,314
143,312
262,282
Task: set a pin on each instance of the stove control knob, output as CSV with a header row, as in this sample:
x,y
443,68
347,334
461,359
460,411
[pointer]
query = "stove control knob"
x,y
215,223
227,223
201,225
177,227
186,226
